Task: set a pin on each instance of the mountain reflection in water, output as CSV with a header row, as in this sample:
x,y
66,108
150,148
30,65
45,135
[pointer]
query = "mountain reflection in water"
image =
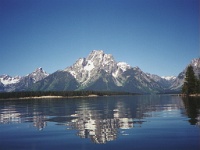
x,y
101,119
102,125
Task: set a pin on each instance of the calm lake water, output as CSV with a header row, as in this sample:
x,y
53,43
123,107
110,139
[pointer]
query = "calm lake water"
x,y
118,122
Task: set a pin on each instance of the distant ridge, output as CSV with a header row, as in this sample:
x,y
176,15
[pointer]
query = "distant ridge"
x,y
98,72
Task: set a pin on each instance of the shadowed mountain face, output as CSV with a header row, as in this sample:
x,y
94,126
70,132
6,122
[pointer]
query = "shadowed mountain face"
x,y
57,81
21,83
98,71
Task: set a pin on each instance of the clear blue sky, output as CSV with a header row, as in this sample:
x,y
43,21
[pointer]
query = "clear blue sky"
x,y
159,36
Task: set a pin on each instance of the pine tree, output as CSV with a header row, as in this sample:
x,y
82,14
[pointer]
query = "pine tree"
x,y
190,84
198,85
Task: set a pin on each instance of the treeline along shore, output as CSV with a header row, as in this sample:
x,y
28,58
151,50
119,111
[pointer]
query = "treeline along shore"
x,y
59,94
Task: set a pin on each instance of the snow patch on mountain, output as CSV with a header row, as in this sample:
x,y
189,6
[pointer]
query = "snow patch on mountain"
x,y
98,71
169,77
115,73
89,66
102,69
87,69
6,79
22,83
195,62
73,73
123,66
38,74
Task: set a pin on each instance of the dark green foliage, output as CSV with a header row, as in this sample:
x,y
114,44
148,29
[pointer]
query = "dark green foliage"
x,y
191,84
198,85
7,95
192,107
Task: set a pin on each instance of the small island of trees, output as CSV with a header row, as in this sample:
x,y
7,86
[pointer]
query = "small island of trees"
x,y
191,85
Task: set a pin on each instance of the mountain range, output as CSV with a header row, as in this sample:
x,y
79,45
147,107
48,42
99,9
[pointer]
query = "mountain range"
x,y
98,71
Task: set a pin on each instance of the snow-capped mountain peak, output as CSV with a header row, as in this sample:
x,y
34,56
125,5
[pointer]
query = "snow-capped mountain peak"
x,y
21,83
88,67
99,58
97,71
100,69
169,77
123,66
38,74
195,62
6,79
137,69
40,71
95,54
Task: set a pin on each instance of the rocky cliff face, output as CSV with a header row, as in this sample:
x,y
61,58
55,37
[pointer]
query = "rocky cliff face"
x,y
21,83
86,70
98,71
57,81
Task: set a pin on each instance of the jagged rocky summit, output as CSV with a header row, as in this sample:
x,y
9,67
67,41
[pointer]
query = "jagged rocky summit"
x,y
9,84
98,71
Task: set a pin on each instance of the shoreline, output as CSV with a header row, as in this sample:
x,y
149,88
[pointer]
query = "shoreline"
x,y
85,96
191,95
194,95
51,97
58,94
59,97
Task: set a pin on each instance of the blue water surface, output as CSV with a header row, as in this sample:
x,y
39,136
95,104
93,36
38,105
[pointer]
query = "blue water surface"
x,y
118,122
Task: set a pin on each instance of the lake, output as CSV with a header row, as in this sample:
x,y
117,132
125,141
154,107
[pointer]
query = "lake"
x,y
118,122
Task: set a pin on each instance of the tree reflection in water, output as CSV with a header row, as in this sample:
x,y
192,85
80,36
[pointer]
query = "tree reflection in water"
x,y
192,106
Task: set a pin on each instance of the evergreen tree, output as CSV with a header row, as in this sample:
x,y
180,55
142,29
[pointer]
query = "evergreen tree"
x,y
198,85
190,84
